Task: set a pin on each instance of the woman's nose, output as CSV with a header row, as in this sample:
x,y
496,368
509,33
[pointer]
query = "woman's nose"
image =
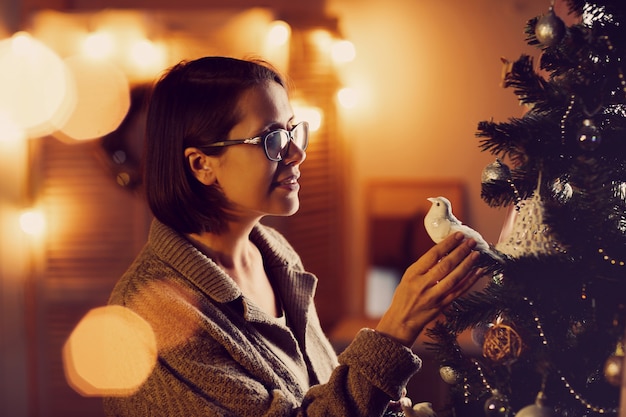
x,y
295,155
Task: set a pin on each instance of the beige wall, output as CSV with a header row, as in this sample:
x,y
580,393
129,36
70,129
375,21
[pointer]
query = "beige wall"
x,y
432,70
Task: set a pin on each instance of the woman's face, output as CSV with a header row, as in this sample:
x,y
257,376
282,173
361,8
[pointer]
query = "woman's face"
x,y
255,185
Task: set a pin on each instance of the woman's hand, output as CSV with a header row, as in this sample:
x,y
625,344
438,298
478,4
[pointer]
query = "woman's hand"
x,y
430,284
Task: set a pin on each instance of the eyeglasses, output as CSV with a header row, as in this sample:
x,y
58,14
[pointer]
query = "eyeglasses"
x,y
276,143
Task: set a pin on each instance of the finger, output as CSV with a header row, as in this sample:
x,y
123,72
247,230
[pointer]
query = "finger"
x,y
434,254
449,264
449,276
463,285
469,280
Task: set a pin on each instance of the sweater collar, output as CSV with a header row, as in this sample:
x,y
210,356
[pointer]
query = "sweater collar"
x,y
176,250
295,286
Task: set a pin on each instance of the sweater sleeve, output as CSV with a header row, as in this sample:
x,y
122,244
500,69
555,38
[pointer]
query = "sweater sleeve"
x,y
372,370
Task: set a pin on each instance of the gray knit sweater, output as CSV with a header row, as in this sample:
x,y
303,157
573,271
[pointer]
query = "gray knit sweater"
x,y
213,355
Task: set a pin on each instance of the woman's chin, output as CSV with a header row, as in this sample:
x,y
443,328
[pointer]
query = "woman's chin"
x,y
289,209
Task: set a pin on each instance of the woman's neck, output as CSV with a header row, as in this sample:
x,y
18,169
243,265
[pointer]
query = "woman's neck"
x,y
242,261
230,249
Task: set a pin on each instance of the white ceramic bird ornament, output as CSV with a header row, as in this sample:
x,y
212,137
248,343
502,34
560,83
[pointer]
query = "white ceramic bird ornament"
x,y
440,222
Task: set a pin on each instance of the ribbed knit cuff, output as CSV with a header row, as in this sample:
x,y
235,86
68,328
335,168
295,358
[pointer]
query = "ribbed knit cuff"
x,y
387,364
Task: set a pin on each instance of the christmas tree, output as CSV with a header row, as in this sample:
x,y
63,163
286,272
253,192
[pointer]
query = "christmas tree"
x,y
550,323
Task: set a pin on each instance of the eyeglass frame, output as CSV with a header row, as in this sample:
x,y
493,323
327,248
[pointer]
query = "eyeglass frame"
x,y
258,140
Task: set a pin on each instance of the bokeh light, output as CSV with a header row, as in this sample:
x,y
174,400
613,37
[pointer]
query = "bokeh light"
x,y
33,222
313,115
33,82
279,33
99,45
9,130
111,352
322,38
102,98
146,57
343,51
348,97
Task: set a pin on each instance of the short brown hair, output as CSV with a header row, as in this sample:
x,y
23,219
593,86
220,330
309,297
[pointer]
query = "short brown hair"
x,y
194,104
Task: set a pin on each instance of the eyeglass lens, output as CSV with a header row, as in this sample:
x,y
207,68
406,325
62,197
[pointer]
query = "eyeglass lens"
x,y
277,142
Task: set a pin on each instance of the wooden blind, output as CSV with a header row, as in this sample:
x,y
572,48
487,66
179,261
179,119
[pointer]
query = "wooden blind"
x,y
95,229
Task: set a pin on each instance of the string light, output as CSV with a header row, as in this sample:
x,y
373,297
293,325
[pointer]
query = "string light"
x,y
610,259
565,116
575,394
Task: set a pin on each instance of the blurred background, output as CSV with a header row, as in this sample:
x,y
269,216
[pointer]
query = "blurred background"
x,y
393,90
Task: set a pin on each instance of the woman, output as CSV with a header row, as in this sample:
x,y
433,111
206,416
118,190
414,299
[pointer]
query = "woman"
x,y
228,298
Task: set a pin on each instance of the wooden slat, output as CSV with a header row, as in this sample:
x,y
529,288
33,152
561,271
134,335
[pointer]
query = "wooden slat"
x,y
95,230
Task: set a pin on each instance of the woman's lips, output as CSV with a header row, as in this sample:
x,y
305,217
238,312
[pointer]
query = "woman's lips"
x,y
290,182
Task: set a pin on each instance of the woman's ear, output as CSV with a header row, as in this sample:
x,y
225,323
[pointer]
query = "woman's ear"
x,y
201,165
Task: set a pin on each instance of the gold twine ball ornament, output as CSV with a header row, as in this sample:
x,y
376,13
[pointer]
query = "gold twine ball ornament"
x,y
502,344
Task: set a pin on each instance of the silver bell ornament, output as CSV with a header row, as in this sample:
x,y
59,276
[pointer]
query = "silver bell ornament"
x,y
549,29
495,171
538,409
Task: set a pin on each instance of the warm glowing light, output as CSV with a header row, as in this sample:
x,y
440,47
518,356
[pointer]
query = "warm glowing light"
x,y
112,351
9,130
343,51
99,45
24,45
33,82
322,39
146,56
279,33
313,115
348,97
33,223
102,98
